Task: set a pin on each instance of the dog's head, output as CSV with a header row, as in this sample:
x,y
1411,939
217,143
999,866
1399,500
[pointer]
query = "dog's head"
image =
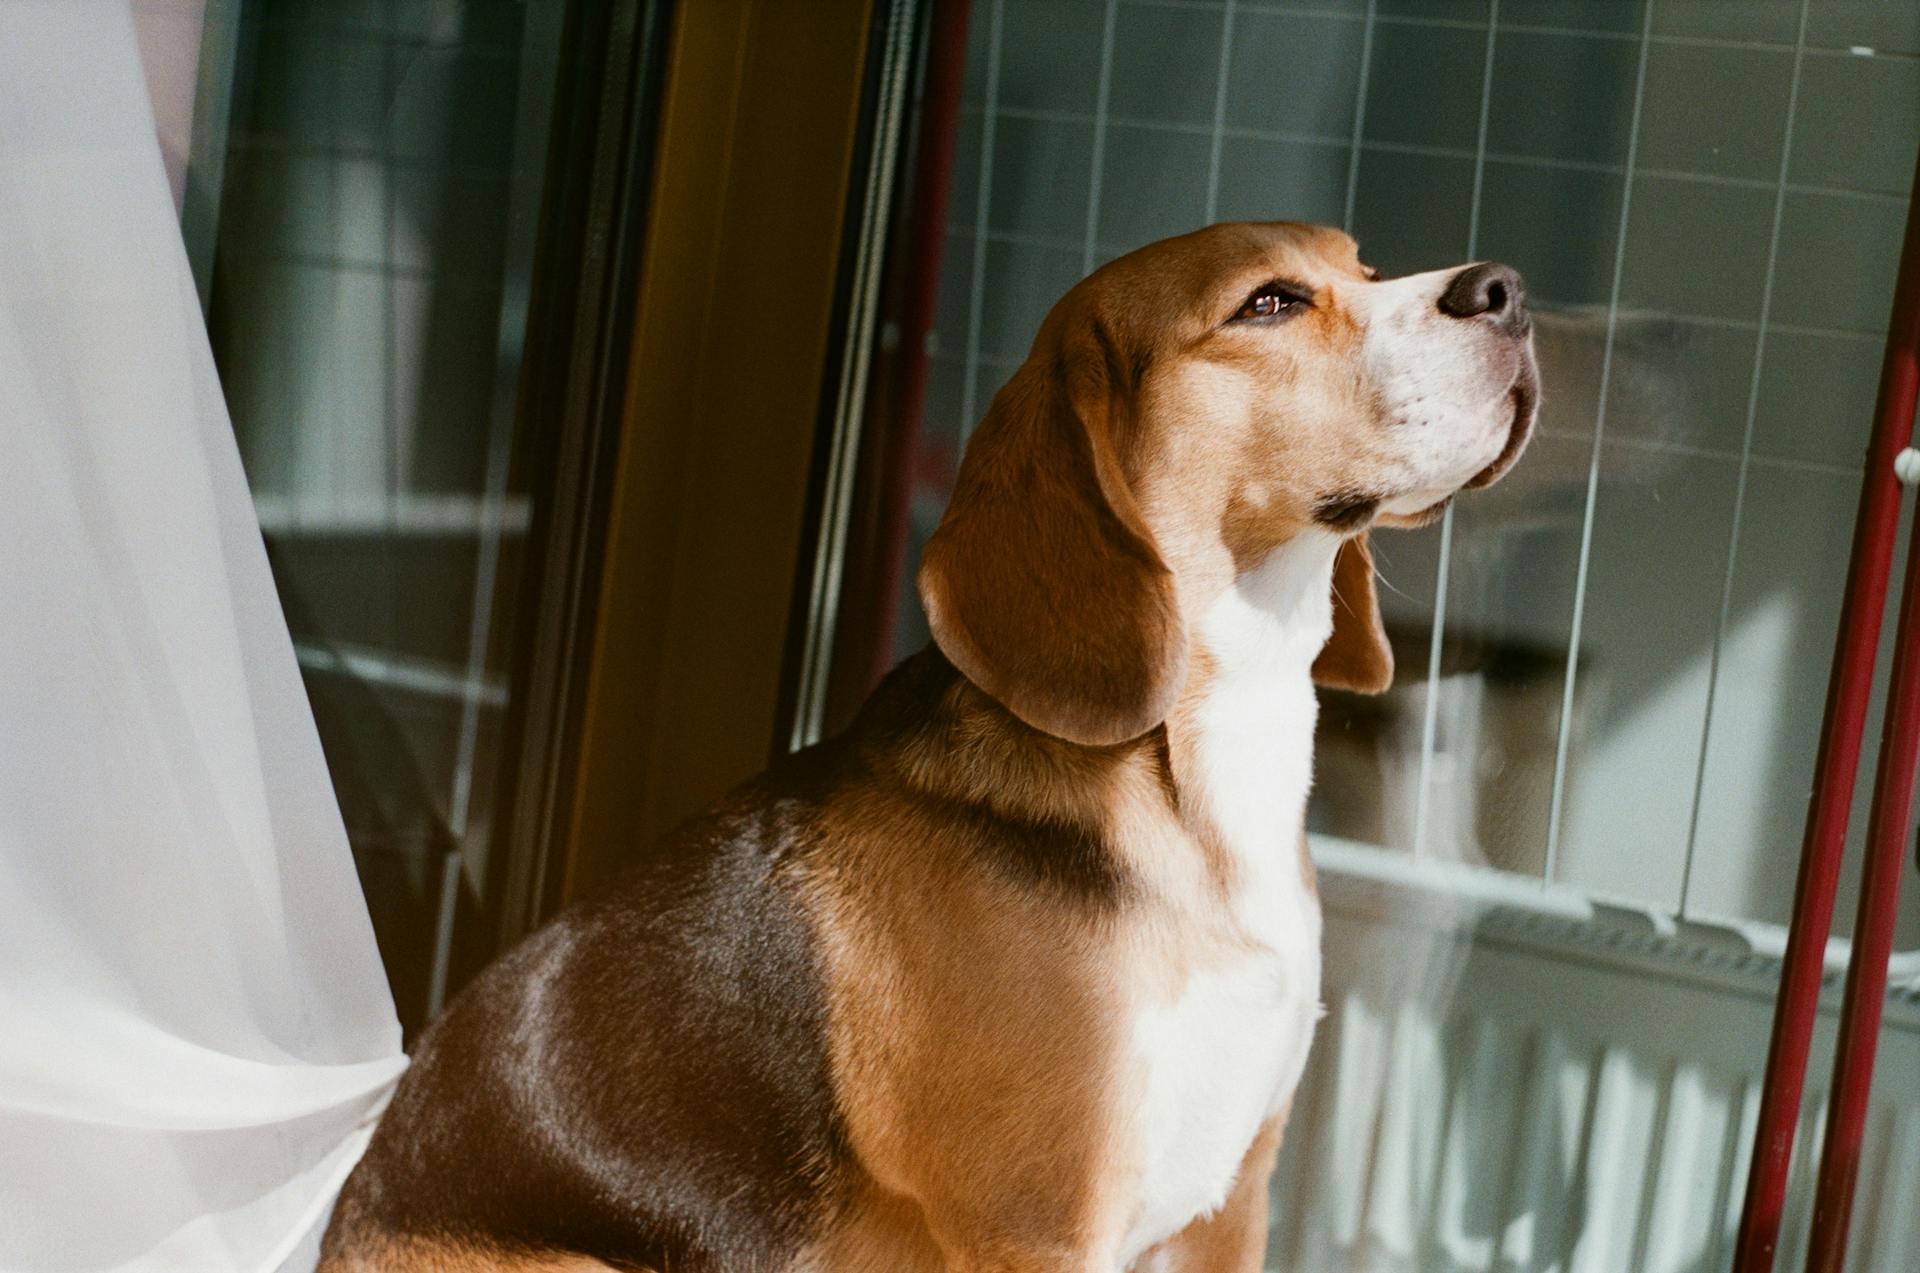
x,y
1186,410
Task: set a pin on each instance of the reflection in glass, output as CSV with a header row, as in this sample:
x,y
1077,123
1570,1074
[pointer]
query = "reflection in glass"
x,y
1548,995
381,175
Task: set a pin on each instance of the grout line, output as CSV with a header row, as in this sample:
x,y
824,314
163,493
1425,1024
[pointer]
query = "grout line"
x,y
1242,130
1430,722
1757,183
1747,324
1852,54
977,288
1746,459
1538,28
1435,24
1219,113
1803,329
1480,141
1821,468
1430,719
1359,117
1788,463
1050,115
1286,9
1543,163
1105,94
1557,805
1017,238
1595,33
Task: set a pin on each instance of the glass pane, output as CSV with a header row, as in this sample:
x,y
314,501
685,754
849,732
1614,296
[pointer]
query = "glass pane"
x,y
381,179
1557,856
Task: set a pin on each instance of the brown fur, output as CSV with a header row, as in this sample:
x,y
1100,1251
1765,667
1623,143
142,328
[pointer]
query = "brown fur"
x,y
1353,659
1095,506
883,994
1089,646
1000,1110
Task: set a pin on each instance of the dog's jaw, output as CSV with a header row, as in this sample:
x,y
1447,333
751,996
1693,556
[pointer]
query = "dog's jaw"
x,y
1525,399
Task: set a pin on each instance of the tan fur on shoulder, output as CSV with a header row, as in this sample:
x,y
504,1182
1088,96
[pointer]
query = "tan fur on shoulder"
x,y
995,1108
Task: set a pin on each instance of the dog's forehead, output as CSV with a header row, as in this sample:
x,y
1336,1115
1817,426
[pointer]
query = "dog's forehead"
x,y
1194,268
1286,246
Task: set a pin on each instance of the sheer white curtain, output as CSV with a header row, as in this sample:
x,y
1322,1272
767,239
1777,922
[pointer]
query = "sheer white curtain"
x,y
195,1034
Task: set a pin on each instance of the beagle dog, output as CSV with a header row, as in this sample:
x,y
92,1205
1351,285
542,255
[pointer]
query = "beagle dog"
x,y
1019,973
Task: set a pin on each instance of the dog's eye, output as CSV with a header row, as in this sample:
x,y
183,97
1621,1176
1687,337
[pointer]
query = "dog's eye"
x,y
1273,300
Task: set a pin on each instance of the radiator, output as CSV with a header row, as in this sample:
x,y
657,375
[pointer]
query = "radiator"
x,y
1498,1087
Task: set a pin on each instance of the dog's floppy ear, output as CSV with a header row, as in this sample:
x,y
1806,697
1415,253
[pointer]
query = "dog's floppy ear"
x,y
1357,656
1043,584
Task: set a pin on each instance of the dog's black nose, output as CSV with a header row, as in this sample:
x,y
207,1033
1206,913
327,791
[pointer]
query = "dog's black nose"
x,y
1491,291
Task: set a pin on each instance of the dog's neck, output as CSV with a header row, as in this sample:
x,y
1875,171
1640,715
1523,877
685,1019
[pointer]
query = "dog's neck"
x,y
1273,620
1237,749
1241,740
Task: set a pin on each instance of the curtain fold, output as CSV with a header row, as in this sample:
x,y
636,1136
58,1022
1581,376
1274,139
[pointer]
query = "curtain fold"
x,y
195,1031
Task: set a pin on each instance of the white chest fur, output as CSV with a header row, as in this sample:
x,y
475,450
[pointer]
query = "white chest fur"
x,y
1226,1054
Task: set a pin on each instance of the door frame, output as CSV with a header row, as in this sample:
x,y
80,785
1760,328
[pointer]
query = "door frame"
x,y
750,324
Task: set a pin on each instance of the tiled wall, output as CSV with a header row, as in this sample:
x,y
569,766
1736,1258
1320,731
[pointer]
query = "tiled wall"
x,y
1613,663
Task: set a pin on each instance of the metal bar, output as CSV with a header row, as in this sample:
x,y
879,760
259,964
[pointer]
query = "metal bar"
x,y
1848,689
1090,248
1756,378
982,221
867,237
1359,116
940,100
1590,512
1443,575
1887,825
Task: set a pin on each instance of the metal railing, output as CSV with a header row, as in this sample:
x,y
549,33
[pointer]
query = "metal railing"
x,y
1849,691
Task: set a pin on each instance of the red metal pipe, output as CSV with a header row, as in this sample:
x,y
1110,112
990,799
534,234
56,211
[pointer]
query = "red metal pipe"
x,y
1886,837
1848,690
1872,937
